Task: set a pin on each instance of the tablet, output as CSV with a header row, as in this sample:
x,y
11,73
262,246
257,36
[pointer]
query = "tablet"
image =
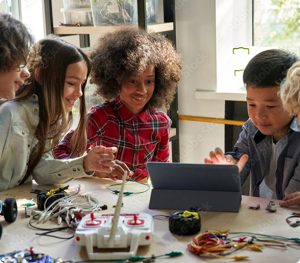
x,y
186,185
191,176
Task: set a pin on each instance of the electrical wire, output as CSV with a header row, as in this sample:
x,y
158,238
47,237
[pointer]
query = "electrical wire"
x,y
291,219
221,244
257,236
143,259
127,193
48,231
68,209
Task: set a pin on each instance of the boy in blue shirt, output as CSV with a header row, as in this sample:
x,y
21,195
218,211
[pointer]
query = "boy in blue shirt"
x,y
268,149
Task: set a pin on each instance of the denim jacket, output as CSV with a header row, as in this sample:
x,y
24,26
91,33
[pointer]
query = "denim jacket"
x,y
259,148
18,122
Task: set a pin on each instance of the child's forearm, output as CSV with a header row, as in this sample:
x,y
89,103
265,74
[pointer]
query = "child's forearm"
x,y
63,150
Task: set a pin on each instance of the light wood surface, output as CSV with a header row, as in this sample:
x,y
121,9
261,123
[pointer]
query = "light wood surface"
x,y
17,236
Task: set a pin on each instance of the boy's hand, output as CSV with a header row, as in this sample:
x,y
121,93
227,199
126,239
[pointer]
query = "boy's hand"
x,y
242,162
100,159
290,200
218,157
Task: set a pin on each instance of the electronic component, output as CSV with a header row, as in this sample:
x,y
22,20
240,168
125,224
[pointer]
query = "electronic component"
x,y
29,208
117,231
290,219
184,223
133,230
26,256
46,198
271,207
256,207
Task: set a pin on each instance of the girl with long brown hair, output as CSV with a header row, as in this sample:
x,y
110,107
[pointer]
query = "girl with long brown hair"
x,y
32,123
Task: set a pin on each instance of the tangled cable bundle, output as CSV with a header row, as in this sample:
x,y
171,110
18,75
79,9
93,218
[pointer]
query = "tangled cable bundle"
x,y
218,244
69,209
210,243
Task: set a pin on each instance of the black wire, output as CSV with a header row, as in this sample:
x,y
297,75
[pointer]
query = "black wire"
x,y
50,230
58,237
293,223
47,233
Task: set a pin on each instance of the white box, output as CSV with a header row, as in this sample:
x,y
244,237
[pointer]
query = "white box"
x,y
78,16
71,4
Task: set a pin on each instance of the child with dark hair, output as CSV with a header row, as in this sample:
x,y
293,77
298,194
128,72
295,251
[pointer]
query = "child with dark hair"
x,y
137,74
268,138
32,123
15,43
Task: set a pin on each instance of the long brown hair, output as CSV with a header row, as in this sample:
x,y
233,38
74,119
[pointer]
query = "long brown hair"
x,y
47,64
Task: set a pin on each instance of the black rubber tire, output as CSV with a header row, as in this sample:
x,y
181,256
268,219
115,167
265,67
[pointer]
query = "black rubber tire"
x,y
10,210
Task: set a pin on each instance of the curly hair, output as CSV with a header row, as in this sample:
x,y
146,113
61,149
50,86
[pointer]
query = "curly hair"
x,y
290,90
126,52
15,42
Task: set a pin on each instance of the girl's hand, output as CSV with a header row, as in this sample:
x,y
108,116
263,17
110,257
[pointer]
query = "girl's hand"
x,y
117,171
100,159
218,157
290,200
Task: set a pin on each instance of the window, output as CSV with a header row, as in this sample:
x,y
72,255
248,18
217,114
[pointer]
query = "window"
x,y
30,12
245,28
276,24
233,43
11,7
32,17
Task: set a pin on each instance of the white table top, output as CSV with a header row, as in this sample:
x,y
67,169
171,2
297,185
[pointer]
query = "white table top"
x,y
17,236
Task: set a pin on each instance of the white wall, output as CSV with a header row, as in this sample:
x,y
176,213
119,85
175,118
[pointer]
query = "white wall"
x,y
196,41
205,31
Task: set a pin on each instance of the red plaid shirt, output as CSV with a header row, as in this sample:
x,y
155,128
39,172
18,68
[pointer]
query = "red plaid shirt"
x,y
139,138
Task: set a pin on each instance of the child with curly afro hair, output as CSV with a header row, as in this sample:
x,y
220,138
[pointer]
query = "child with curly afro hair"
x,y
136,73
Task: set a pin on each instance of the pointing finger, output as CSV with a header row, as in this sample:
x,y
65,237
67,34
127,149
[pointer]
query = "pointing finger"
x,y
242,162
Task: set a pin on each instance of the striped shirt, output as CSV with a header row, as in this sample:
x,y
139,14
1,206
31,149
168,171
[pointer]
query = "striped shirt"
x,y
139,137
